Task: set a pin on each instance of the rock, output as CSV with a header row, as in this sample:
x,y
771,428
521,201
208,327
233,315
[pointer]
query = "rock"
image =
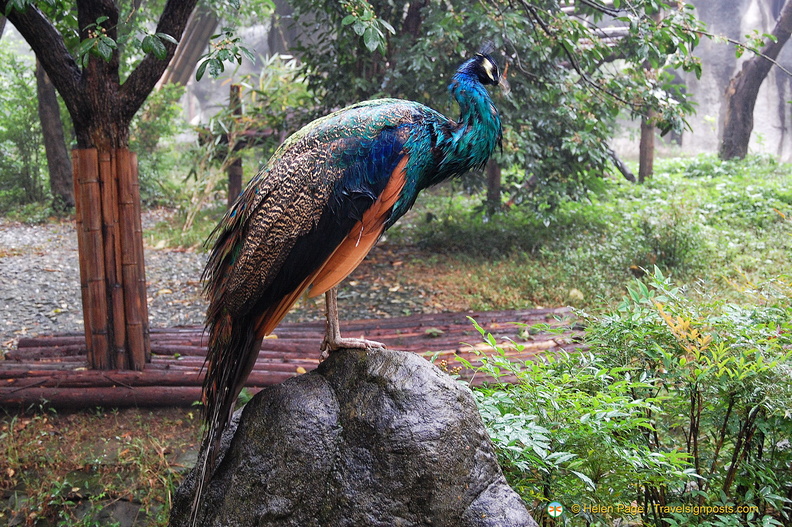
x,y
375,438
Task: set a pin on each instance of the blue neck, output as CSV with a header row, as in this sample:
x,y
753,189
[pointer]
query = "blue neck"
x,y
478,131
463,145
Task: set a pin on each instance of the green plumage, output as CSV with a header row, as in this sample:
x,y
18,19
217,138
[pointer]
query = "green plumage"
x,y
327,192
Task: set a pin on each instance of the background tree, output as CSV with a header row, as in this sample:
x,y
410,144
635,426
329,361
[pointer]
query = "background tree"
x,y
574,68
740,96
58,158
200,28
22,164
101,105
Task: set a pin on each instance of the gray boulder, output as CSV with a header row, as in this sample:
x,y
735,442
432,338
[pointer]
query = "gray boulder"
x,y
370,438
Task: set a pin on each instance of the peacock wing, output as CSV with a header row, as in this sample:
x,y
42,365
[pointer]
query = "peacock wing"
x,y
320,203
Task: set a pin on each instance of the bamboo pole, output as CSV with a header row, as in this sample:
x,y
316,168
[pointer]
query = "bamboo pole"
x,y
135,193
82,246
95,308
112,258
133,276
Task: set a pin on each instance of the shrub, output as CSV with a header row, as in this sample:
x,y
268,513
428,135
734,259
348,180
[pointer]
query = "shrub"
x,y
22,159
678,413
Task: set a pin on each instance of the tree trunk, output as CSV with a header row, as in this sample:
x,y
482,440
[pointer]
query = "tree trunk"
x,y
493,186
58,159
200,28
646,148
413,20
107,197
740,96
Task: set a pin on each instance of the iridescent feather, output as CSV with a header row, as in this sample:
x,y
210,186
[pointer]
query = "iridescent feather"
x,y
313,213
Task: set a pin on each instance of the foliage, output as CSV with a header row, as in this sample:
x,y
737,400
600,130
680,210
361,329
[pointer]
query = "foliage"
x,y
272,103
22,160
578,69
723,225
678,414
135,38
225,47
158,121
112,457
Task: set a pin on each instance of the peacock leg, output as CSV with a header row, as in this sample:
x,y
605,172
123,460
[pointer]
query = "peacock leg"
x,y
333,339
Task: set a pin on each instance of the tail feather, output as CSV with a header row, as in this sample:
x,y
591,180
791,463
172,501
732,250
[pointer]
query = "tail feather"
x,y
232,352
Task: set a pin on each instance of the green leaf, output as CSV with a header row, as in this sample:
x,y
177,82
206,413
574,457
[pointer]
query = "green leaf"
x,y
248,54
387,26
107,41
201,70
166,37
585,479
215,68
153,45
85,47
104,51
349,19
371,39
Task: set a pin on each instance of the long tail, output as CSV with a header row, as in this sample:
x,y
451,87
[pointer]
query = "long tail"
x,y
232,353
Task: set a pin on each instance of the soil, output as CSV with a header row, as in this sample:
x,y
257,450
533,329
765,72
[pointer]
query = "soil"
x,y
72,461
40,292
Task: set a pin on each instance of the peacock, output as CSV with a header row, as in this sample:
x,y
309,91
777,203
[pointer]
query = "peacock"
x,y
315,210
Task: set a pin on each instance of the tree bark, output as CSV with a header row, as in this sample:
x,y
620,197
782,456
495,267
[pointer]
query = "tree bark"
x,y
646,148
740,96
619,164
413,20
58,158
107,197
200,28
493,186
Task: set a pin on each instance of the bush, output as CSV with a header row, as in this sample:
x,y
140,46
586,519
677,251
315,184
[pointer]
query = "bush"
x,y
22,158
678,414
725,230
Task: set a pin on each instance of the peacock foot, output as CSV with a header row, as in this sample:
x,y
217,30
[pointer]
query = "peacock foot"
x,y
330,345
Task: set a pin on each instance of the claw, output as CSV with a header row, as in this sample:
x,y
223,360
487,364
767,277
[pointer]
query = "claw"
x,y
333,340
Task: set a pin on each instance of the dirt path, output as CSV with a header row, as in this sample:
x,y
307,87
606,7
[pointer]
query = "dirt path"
x,y
40,291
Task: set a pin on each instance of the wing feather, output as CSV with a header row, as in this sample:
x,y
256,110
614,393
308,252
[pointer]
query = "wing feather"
x,y
363,236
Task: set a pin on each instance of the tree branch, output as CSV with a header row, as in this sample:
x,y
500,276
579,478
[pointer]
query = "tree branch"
x,y
534,14
758,52
143,79
49,47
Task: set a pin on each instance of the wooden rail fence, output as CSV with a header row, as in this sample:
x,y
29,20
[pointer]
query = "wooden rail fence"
x,y
54,369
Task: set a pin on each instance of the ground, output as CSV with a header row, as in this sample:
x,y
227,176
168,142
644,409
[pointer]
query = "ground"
x,y
99,466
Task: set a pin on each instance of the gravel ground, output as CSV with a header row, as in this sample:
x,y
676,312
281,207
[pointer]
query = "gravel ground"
x,y
40,285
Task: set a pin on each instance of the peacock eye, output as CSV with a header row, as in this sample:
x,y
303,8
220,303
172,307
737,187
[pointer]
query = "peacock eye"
x,y
490,70
487,68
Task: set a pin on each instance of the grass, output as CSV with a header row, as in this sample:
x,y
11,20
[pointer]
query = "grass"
x,y
94,467
723,230
171,232
722,233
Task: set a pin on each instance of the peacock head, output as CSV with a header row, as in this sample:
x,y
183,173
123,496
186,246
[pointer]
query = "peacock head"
x,y
482,67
